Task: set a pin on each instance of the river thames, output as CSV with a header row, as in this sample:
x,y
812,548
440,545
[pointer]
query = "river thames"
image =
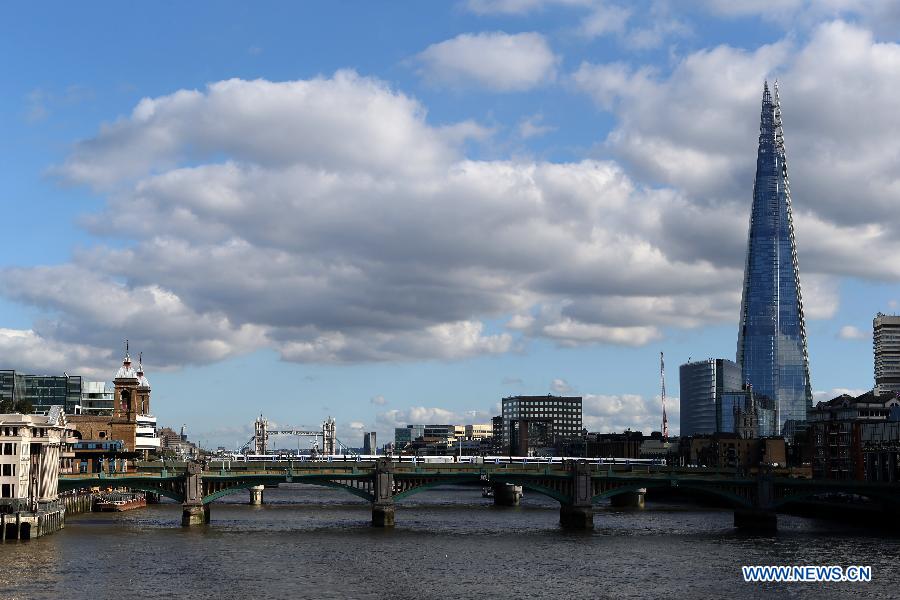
x,y
310,542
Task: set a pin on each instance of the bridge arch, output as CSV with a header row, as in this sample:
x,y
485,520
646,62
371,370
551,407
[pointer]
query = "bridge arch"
x,y
734,500
886,499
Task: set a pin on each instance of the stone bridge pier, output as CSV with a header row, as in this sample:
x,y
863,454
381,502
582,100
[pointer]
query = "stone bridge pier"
x,y
633,499
761,518
256,495
578,512
193,511
383,492
506,494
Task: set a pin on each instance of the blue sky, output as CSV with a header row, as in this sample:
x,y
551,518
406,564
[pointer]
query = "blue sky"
x,y
401,212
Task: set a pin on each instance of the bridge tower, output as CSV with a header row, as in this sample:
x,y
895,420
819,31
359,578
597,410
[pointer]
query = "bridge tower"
x,y
329,445
261,435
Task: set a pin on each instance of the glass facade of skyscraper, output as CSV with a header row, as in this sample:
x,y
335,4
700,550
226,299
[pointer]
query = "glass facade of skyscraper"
x,y
702,384
772,335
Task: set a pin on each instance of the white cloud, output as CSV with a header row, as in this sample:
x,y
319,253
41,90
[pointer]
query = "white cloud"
x,y
532,126
519,7
493,60
608,413
826,395
697,134
605,19
851,332
378,400
560,386
330,221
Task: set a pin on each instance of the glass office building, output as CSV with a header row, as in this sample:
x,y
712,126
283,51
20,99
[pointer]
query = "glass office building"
x,y
771,347
42,391
702,385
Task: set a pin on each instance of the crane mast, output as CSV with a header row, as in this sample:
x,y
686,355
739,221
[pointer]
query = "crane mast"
x,y
662,383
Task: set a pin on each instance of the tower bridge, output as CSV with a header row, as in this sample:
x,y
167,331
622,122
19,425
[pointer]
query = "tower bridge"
x,y
576,485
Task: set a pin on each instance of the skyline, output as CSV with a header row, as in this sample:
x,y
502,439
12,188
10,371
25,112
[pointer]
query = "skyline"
x,y
518,198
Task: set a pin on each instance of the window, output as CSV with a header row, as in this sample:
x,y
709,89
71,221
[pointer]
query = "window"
x,y
9,470
7,490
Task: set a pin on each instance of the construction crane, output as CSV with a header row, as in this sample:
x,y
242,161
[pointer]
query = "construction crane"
x,y
662,383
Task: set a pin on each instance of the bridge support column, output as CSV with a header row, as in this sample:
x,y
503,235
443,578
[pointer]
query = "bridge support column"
x,y
629,499
761,518
193,512
507,494
383,489
578,514
256,495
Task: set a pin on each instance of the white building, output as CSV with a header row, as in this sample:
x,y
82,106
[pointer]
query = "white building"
x,y
32,449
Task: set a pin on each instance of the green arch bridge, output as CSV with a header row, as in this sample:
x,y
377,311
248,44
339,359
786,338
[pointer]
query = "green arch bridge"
x,y
576,485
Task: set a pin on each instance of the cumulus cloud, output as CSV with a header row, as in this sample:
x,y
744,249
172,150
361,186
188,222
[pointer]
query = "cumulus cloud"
x,y
533,126
329,220
560,386
493,60
422,415
520,7
606,413
378,400
691,132
826,395
851,332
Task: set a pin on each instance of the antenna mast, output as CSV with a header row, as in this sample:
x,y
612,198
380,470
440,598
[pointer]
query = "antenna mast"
x,y
662,383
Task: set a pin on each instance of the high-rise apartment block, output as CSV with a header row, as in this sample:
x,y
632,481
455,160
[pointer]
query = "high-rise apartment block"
x,y
886,343
771,349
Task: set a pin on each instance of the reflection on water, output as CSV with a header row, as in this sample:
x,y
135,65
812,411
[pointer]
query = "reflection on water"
x,y
309,542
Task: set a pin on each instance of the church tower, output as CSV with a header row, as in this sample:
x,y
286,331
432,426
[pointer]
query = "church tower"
x,y
126,385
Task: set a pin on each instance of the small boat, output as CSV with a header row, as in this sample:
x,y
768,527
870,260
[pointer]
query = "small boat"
x,y
120,502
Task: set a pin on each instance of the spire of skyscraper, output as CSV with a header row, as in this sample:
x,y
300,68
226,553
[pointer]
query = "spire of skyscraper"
x,y
771,346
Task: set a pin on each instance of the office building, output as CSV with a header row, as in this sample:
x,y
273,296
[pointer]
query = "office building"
x,y
370,447
771,349
702,384
555,417
886,344
406,435
97,398
38,393
479,431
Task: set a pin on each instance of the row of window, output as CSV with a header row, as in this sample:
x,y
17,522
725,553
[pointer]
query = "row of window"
x,y
9,448
8,470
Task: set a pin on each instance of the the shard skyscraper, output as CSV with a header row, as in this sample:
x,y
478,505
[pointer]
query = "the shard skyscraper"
x,y
771,346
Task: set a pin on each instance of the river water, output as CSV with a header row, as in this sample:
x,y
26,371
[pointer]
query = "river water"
x,y
310,542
